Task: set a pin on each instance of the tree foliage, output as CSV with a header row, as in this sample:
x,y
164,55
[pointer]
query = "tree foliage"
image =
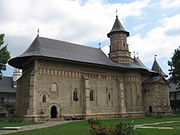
x,y
175,67
4,54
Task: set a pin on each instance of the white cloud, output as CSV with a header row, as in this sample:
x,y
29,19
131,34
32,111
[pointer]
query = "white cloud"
x,y
170,3
158,40
65,19
138,27
78,21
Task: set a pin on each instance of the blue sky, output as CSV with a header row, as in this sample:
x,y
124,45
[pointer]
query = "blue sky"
x,y
153,25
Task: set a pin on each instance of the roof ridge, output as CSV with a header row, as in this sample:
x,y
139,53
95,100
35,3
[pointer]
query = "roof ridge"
x,y
67,42
118,27
156,67
35,46
7,76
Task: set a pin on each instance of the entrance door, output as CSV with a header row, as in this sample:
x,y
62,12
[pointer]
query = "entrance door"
x,y
53,112
150,109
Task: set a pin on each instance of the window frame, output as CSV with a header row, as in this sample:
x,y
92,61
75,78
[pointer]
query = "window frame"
x,y
75,95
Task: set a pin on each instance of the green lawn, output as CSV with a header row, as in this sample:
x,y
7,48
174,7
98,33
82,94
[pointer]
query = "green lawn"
x,y
4,122
81,128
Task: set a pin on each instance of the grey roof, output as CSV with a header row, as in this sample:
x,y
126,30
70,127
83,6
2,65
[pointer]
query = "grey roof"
x,y
117,27
6,85
157,68
44,47
138,62
154,79
173,87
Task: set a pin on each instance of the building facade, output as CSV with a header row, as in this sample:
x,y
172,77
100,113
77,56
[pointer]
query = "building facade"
x,y
62,79
174,96
8,93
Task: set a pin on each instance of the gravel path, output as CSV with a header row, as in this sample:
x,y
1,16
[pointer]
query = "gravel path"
x,y
53,123
145,125
35,126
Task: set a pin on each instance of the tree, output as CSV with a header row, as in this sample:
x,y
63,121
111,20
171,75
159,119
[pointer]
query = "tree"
x,y
8,108
4,55
175,67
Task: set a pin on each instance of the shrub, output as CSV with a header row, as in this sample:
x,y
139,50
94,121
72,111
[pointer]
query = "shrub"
x,y
123,128
93,121
100,130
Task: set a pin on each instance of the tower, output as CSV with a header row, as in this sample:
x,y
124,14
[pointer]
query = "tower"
x,y
16,75
119,51
157,68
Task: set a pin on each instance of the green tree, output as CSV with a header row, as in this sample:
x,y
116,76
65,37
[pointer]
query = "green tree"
x,y
175,67
8,108
4,55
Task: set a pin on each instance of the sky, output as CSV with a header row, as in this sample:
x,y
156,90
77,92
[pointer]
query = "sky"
x,y
154,25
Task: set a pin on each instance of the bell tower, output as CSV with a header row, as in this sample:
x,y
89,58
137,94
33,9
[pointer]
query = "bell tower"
x,y
119,50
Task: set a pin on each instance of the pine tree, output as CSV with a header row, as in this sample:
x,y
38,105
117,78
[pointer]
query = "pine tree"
x,y
175,67
4,55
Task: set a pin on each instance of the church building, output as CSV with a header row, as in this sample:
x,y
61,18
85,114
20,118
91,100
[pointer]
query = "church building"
x,y
62,80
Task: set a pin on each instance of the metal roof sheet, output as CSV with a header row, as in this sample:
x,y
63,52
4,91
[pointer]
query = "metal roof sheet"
x,y
45,47
6,85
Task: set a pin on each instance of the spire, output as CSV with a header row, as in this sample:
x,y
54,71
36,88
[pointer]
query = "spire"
x,y
38,32
157,68
117,27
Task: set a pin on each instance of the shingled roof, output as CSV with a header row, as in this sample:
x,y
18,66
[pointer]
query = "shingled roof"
x,y
138,62
6,85
117,27
155,79
158,69
45,47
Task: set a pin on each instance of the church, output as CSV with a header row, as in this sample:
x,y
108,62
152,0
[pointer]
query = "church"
x,y
63,80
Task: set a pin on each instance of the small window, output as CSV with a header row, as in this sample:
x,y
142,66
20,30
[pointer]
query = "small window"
x,y
54,87
91,95
44,98
2,100
109,96
138,96
146,90
75,95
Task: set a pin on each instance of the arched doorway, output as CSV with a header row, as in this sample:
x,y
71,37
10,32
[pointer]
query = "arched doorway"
x,y
150,109
53,112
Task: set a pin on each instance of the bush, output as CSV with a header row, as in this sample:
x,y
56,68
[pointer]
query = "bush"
x,y
123,128
100,130
93,121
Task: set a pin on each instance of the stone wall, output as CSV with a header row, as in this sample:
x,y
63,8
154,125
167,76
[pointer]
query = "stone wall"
x,y
156,98
66,87
22,93
109,87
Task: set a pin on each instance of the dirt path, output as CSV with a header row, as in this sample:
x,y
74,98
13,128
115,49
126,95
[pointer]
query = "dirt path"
x,y
35,126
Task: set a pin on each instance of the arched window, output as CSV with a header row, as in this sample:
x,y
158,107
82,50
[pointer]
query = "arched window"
x,y
91,94
54,87
44,98
75,95
109,96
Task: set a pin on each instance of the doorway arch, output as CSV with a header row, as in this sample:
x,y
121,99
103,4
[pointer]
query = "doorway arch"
x,y
54,111
150,109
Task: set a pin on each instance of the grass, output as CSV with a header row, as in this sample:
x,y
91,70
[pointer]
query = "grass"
x,y
82,127
4,122
4,119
